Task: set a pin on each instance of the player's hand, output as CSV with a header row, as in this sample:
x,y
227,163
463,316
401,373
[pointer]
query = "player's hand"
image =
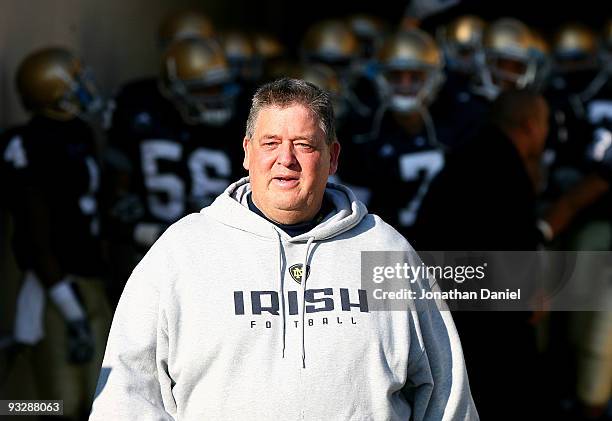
x,y
80,341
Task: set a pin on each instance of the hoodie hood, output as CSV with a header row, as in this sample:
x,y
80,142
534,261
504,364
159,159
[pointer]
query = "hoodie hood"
x,y
231,209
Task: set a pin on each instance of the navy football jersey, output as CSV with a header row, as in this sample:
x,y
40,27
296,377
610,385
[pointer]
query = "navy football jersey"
x,y
51,181
572,130
459,113
401,167
580,140
174,168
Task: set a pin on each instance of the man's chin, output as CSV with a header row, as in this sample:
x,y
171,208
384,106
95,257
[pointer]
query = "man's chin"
x,y
289,206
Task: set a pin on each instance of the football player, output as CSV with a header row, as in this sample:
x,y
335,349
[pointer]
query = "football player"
x,y
404,152
457,108
579,186
172,140
53,192
575,55
509,58
461,41
157,172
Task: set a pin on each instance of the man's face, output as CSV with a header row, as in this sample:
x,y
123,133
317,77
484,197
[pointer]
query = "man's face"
x,y
289,162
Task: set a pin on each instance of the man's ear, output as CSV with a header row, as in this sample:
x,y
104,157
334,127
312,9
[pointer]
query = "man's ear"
x,y
245,146
334,153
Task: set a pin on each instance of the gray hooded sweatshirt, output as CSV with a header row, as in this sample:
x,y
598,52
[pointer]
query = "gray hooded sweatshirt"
x,y
217,322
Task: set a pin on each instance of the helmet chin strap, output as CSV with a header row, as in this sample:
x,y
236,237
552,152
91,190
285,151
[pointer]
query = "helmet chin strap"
x,y
408,105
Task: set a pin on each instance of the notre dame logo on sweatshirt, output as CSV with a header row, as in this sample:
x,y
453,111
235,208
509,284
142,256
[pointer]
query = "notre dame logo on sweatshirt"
x,y
297,272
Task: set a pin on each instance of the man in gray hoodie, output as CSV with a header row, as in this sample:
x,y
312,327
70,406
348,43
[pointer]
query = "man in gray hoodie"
x,y
254,307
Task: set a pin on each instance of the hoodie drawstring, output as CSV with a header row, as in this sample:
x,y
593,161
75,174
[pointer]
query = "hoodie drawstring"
x,y
281,282
304,277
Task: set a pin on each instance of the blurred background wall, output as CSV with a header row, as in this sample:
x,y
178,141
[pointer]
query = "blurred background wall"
x,y
115,38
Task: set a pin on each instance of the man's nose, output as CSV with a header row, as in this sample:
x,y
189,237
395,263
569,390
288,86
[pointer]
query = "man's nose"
x,y
286,155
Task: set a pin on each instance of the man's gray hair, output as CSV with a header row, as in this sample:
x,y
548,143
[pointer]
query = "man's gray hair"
x,y
286,92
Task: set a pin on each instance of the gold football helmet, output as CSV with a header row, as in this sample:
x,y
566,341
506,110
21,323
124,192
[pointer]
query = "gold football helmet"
x,y
412,70
461,39
573,40
196,76
575,48
52,82
241,55
509,59
330,42
184,24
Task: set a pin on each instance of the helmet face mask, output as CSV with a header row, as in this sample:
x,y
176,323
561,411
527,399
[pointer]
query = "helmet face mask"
x,y
53,83
406,82
411,72
508,60
462,58
81,98
405,88
509,73
211,104
461,40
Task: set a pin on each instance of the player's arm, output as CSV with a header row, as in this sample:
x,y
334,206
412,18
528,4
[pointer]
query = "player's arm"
x,y
586,192
125,207
36,220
